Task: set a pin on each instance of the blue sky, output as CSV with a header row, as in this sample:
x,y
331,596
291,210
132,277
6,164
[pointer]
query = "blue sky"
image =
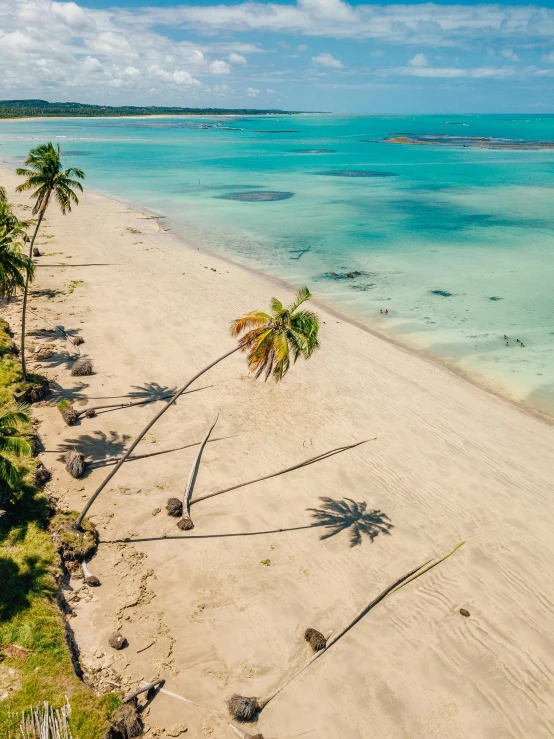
x,y
294,54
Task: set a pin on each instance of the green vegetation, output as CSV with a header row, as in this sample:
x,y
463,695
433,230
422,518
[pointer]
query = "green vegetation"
x,y
45,175
29,614
29,108
73,284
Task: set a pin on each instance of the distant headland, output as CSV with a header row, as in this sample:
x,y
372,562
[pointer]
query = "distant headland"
x,y
43,108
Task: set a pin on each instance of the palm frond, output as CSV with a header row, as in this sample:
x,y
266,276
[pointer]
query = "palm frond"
x,y
301,296
9,474
254,319
15,445
13,418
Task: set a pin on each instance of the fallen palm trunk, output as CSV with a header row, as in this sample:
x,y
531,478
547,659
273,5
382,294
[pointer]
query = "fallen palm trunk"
x,y
145,430
114,460
298,466
88,577
143,689
91,412
242,708
185,523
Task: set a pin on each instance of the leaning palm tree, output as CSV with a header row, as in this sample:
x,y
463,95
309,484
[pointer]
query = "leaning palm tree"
x,y
15,267
11,442
48,179
270,340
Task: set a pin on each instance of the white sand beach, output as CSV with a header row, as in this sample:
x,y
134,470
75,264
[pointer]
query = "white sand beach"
x,y
223,608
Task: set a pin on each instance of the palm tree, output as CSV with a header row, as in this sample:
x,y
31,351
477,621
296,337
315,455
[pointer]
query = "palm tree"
x,y
15,267
271,338
11,442
9,220
268,339
46,177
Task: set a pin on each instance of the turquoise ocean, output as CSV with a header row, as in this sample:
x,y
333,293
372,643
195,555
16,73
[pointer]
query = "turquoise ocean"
x,y
457,243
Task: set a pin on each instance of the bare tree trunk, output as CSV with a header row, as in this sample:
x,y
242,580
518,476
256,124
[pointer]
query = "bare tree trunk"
x,y
144,689
298,466
404,580
186,521
146,429
26,293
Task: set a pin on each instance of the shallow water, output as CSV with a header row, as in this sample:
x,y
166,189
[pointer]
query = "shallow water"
x,y
457,243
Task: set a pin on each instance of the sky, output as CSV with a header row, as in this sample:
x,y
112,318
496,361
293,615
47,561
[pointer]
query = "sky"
x,y
317,55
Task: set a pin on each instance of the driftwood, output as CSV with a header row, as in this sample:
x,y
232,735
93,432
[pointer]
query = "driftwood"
x,y
134,457
185,523
89,578
143,689
246,709
131,403
305,463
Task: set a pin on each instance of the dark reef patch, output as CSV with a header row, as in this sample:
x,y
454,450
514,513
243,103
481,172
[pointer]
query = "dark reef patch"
x,y
356,173
344,275
481,142
495,297
442,293
258,196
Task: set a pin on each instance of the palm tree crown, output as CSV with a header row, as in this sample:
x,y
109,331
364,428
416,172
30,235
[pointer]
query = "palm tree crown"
x,y
45,176
271,338
11,442
14,265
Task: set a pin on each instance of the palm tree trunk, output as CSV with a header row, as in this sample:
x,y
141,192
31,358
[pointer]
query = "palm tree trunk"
x,y
192,479
400,583
146,429
25,295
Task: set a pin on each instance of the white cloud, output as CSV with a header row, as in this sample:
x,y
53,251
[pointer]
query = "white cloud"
x,y
271,92
91,64
219,67
509,54
451,72
377,52
418,23
251,92
419,60
327,60
237,58
56,49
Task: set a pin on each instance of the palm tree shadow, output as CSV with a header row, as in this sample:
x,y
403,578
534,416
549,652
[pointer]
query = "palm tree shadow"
x,y
343,515
150,391
96,446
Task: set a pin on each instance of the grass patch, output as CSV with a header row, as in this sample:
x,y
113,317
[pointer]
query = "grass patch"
x,y
29,614
73,284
